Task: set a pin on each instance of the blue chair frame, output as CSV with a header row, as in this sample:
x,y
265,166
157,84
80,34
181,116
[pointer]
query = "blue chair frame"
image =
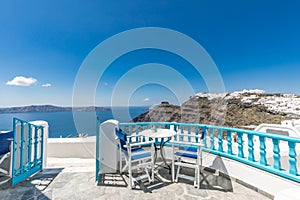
x,y
135,156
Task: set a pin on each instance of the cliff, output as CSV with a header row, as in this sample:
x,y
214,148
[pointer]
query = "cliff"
x,y
228,109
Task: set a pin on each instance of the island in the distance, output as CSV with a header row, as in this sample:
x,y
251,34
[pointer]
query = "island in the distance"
x,y
50,108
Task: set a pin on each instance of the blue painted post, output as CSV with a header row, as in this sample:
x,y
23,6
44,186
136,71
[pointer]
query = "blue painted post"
x,y
181,131
212,135
29,145
262,150
251,148
14,146
197,133
137,132
204,137
22,141
229,144
292,159
42,147
130,132
36,137
240,145
220,140
155,127
189,132
276,154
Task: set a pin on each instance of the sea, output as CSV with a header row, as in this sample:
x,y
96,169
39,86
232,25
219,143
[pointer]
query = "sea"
x,y
70,124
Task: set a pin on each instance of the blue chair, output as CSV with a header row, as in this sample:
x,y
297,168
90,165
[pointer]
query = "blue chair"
x,y
135,156
187,152
6,140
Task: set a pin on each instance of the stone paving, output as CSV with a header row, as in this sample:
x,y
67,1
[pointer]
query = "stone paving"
x,y
79,183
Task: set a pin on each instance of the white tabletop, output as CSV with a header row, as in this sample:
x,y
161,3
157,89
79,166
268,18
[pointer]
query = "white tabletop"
x,y
160,133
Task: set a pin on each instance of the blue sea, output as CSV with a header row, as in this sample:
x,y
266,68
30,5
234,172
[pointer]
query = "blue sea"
x,y
61,124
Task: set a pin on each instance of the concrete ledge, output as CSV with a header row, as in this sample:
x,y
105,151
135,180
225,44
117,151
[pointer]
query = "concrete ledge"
x,y
71,147
251,177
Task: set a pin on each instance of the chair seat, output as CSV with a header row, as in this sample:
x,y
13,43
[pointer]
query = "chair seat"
x,y
140,155
188,148
188,155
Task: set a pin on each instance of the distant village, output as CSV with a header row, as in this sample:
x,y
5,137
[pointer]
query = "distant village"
x,y
284,103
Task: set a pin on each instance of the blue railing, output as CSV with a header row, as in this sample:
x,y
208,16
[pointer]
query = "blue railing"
x,y
27,150
273,153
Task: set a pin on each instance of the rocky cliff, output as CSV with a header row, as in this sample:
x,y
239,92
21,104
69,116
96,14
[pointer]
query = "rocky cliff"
x,y
228,109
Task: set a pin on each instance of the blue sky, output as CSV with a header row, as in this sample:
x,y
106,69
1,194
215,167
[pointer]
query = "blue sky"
x,y
254,44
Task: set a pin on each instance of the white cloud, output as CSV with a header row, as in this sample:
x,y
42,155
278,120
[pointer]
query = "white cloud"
x,y
146,100
46,85
22,81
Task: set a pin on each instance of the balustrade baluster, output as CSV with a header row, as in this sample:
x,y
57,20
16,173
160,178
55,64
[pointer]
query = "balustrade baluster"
x,y
42,146
189,132
276,155
229,143
197,133
36,140
220,140
212,135
204,138
251,148
22,141
292,159
29,145
130,132
240,145
262,150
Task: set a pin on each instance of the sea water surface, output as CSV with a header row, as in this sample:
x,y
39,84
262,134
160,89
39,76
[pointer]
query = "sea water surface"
x,y
61,124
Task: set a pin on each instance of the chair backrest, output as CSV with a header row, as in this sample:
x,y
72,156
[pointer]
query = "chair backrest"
x,y
5,141
122,138
203,133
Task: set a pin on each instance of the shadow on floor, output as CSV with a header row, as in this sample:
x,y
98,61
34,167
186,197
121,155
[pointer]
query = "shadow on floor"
x,y
210,180
31,188
161,179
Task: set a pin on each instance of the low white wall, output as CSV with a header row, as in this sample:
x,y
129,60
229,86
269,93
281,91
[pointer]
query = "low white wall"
x,y
71,147
263,181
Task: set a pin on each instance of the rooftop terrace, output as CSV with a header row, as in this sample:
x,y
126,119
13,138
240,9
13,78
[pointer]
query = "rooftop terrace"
x,y
237,164
75,179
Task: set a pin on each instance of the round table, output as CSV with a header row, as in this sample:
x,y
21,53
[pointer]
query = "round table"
x,y
159,133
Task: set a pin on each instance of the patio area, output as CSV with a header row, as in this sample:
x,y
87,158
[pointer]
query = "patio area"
x,y
75,179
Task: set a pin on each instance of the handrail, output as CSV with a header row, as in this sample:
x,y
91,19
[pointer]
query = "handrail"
x,y
239,144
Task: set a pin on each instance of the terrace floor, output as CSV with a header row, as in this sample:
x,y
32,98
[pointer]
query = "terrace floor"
x,y
75,179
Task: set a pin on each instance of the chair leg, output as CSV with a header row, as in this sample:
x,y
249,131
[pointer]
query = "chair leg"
x,y
195,179
130,174
176,178
173,170
152,172
148,175
198,178
121,164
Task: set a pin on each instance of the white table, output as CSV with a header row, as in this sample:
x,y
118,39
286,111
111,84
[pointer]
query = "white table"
x,y
159,133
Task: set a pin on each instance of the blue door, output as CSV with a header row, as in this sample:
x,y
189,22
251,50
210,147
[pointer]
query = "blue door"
x,y
27,152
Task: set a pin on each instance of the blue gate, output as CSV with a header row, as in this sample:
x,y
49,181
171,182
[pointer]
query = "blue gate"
x,y
27,152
